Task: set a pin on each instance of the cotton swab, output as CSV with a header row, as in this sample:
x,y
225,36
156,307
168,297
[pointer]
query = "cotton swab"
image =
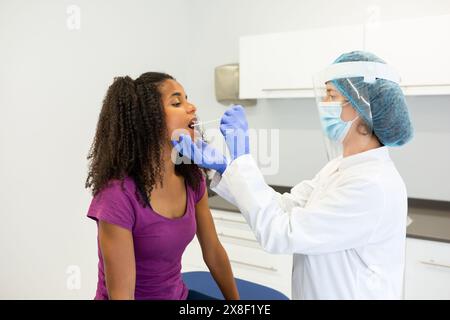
x,y
206,122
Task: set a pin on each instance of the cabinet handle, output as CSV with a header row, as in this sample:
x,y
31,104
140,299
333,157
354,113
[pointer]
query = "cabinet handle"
x,y
432,263
221,234
254,265
229,220
285,89
423,85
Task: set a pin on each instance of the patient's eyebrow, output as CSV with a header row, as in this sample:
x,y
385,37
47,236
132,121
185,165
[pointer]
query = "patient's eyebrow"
x,y
177,94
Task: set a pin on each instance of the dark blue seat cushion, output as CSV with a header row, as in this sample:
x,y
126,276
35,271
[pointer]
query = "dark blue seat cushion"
x,y
203,282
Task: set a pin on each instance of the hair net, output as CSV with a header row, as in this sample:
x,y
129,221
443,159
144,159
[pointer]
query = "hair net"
x,y
390,117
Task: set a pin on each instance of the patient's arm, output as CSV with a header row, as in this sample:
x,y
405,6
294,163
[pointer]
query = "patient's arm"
x,y
116,244
213,252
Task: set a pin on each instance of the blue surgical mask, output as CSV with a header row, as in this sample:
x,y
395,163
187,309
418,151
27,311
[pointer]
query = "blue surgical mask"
x,y
330,115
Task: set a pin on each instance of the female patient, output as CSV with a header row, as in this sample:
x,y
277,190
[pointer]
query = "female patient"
x,y
148,208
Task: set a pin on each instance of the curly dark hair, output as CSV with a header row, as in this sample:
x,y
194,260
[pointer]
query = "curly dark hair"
x,y
131,132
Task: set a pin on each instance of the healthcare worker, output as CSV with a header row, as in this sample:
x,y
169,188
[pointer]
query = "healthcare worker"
x,y
346,228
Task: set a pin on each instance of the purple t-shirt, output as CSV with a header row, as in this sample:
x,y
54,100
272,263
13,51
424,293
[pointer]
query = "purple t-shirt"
x,y
159,242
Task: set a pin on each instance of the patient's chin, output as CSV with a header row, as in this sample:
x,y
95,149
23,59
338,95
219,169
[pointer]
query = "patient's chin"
x,y
178,132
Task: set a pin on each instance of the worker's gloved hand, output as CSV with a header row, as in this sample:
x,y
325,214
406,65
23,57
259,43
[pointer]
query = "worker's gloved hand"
x,y
234,128
201,153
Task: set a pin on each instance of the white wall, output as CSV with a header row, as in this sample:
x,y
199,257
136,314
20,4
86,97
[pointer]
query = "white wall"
x,y
52,81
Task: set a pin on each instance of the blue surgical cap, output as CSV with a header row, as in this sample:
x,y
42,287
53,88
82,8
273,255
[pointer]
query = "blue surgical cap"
x,y
390,118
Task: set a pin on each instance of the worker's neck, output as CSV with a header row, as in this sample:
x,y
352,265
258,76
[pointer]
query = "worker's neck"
x,y
359,145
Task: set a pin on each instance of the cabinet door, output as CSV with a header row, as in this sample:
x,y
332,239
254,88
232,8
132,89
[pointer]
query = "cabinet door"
x,y
427,274
248,260
260,267
283,64
418,49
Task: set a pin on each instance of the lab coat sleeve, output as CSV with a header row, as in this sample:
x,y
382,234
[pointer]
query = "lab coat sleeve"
x,y
221,189
298,196
343,218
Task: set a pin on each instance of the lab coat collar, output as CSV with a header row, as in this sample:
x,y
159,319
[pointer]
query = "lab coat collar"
x,y
378,154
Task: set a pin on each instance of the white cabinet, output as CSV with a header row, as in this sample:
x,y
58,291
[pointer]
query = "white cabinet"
x,y
282,65
427,274
248,260
418,49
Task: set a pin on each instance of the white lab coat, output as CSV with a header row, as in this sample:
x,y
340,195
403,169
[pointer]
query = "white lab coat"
x,y
346,227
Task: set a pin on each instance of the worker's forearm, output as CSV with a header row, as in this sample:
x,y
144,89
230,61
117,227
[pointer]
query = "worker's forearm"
x,y
259,204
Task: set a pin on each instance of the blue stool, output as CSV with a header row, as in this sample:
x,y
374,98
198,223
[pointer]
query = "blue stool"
x,y
203,282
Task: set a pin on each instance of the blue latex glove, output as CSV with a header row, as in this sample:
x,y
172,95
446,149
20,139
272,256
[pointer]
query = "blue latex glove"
x,y
201,153
234,128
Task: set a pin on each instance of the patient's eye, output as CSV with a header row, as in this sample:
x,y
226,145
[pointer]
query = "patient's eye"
x,y
176,103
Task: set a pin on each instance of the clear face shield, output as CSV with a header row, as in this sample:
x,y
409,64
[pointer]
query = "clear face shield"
x,y
343,100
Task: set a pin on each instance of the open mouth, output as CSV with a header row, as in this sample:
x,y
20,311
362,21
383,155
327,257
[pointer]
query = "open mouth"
x,y
192,123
